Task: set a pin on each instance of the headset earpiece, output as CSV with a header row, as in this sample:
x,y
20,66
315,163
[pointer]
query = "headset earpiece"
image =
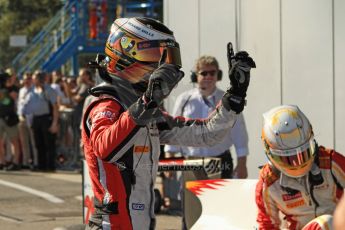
x,y
219,75
193,77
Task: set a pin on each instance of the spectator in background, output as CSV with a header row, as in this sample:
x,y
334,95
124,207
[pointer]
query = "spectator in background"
x,y
48,79
79,94
56,78
41,105
62,90
8,123
29,152
65,105
56,74
84,82
199,103
72,84
12,84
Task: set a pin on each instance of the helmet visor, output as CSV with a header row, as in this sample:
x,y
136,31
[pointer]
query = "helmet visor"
x,y
294,158
151,51
130,49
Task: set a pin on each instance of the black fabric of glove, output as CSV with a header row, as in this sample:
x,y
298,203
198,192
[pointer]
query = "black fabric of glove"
x,y
143,113
232,102
161,82
239,75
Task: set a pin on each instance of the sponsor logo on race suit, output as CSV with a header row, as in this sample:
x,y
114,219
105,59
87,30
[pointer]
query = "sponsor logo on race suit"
x,y
105,114
138,206
295,204
287,197
141,149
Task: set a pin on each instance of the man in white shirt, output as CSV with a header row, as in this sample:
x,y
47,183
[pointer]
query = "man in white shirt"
x,y
29,151
199,103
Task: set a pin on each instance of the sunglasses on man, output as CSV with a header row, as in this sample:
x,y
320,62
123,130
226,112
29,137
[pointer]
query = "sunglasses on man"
x,y
210,72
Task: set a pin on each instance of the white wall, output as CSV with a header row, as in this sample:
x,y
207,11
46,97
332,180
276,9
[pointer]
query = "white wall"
x,y
339,74
260,36
297,45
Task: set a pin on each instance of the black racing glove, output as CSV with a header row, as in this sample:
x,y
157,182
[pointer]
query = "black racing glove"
x,y
239,75
162,81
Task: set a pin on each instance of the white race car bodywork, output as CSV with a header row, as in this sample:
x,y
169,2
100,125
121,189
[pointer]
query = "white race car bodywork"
x,y
226,203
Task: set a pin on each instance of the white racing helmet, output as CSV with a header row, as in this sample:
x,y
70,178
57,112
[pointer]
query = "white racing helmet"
x,y
289,140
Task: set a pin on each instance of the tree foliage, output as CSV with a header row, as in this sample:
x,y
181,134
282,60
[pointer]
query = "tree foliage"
x,y
22,17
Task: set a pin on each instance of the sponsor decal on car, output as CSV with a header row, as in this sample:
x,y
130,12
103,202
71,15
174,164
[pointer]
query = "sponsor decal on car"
x,y
197,187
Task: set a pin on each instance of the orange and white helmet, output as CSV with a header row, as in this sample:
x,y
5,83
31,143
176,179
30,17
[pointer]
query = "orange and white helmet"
x,y
289,140
135,46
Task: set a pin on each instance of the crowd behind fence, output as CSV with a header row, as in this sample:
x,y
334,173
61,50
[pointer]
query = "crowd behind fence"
x,y
22,149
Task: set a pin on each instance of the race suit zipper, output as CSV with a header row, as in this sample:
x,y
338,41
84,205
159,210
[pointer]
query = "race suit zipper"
x,y
307,192
152,162
310,194
311,191
314,200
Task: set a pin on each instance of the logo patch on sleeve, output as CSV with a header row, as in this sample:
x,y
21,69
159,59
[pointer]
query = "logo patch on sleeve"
x,y
141,149
105,114
138,206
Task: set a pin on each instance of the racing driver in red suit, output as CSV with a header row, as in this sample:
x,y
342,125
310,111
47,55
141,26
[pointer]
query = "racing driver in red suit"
x,y
123,129
302,183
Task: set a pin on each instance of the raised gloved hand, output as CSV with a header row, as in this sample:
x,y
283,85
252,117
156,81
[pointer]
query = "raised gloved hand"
x,y
239,75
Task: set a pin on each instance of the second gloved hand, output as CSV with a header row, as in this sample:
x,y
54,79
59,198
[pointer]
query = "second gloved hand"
x,y
161,83
239,75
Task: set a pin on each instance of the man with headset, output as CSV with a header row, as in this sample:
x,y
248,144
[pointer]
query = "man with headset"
x,y
199,103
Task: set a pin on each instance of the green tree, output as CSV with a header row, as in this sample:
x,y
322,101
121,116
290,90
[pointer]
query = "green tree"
x,y
22,17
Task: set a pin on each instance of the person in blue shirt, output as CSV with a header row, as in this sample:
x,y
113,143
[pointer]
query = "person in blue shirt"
x,y
41,108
